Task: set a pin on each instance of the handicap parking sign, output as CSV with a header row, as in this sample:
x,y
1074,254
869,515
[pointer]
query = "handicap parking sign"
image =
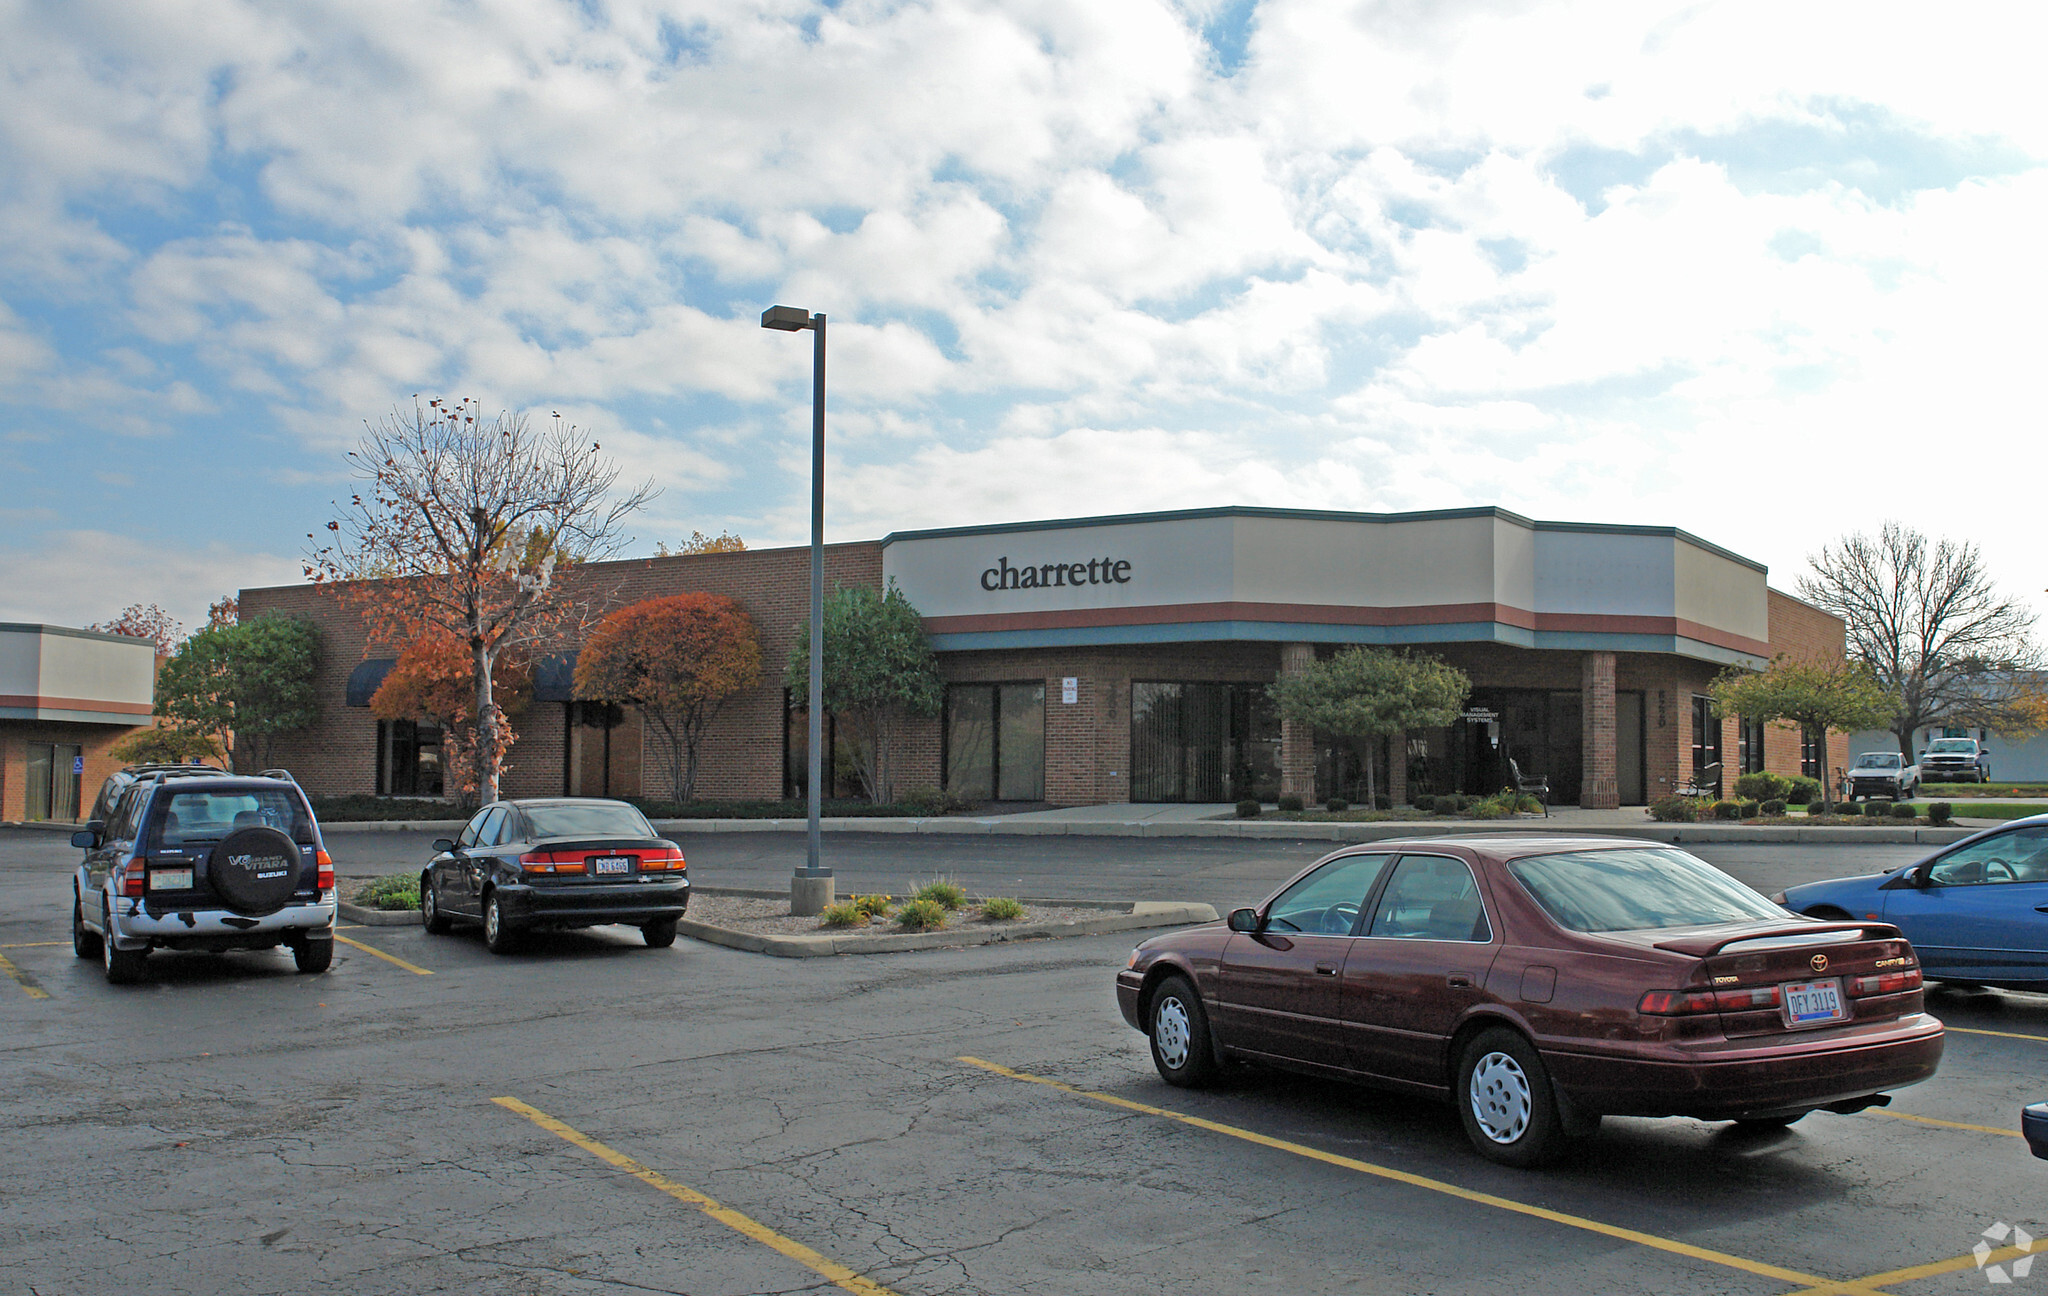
x,y
78,764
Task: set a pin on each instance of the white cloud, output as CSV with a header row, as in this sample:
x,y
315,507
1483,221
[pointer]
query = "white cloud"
x,y
76,577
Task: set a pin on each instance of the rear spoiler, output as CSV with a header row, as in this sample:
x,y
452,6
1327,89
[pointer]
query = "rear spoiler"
x,y
1704,946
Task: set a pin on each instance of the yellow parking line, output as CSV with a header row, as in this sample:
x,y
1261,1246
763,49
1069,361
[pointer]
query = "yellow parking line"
x,y
388,958
33,944
2038,1039
24,980
1650,1240
1929,1120
1891,1277
831,1270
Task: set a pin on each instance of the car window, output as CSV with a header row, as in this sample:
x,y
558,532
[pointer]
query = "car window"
x,y
472,831
121,822
1966,746
2017,856
1875,760
1636,889
1327,901
210,815
588,819
508,827
494,818
1431,897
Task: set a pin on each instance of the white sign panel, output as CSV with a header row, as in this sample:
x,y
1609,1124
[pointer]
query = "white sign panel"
x,y
1070,690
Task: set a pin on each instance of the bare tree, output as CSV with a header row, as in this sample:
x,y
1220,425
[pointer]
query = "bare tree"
x,y
462,527
1932,628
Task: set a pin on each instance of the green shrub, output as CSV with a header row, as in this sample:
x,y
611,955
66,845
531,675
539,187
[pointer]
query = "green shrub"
x,y
1903,811
874,906
1878,808
1487,809
1762,785
1940,812
1001,909
943,892
921,915
1289,801
1772,808
1726,810
1675,810
1336,805
1247,809
1750,810
1452,803
1424,802
1805,791
844,914
397,892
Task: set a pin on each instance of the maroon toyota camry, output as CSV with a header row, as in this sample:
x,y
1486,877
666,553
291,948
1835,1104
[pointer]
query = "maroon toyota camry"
x,y
1541,983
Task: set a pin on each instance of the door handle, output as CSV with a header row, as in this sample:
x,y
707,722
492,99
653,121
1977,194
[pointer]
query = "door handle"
x,y
1459,981
1326,969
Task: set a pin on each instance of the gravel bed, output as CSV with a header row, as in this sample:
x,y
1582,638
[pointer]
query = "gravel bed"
x,y
762,917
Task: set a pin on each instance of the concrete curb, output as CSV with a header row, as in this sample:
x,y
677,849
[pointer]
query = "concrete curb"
x,y
355,913
1133,916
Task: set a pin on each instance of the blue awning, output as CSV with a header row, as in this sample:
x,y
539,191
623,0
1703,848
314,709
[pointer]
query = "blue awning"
x,y
366,678
554,678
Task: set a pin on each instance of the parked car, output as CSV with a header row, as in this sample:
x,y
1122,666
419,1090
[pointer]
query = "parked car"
x,y
1977,911
556,862
1955,760
1883,774
1540,983
202,862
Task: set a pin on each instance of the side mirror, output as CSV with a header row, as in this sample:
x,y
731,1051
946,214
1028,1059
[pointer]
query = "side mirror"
x,y
85,839
1244,920
442,845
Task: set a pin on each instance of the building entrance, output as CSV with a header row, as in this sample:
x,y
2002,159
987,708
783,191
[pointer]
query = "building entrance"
x,y
1203,742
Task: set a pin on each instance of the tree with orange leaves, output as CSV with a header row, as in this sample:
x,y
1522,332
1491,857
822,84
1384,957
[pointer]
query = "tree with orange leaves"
x,y
462,527
677,659
431,682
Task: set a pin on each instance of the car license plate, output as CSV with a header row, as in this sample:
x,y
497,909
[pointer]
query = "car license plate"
x,y
612,864
1812,1003
170,879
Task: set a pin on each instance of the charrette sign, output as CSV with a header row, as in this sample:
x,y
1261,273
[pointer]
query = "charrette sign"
x,y
1096,571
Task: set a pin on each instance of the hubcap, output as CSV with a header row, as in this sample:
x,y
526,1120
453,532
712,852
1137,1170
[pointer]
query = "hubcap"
x,y
1170,1032
427,902
491,919
1500,1098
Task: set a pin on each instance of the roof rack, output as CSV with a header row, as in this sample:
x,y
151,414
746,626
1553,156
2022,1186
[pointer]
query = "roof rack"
x,y
284,774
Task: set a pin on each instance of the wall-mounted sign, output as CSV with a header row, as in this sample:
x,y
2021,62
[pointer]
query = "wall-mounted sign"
x,y
1070,690
1479,715
1096,571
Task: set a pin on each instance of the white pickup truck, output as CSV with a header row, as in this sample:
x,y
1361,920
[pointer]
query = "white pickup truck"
x,y
1883,774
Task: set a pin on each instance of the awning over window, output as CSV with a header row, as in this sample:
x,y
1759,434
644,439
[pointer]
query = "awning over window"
x,y
554,678
366,678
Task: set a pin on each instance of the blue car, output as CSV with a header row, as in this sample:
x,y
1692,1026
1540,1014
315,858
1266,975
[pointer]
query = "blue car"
x,y
1976,912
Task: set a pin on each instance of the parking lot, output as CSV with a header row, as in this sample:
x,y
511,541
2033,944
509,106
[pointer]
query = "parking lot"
x,y
594,1115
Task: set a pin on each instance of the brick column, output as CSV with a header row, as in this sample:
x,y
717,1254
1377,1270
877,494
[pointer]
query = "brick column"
x,y
1397,768
1599,788
1297,741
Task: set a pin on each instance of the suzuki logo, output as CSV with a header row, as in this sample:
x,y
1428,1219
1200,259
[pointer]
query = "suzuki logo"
x,y
1819,962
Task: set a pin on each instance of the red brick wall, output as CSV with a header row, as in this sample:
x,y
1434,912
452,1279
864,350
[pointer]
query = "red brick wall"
x,y
93,741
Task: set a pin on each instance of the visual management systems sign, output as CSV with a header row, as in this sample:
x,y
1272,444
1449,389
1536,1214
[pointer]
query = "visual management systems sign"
x,y
1096,571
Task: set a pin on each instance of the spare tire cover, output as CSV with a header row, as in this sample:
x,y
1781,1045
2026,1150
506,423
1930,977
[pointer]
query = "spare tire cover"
x,y
254,870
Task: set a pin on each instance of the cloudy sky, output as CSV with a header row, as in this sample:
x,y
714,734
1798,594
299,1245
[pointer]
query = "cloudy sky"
x,y
1767,272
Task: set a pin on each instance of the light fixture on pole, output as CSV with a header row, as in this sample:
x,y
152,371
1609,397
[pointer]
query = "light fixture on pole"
x,y
810,891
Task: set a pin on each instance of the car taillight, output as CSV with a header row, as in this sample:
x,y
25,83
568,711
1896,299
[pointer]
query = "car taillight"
x,y
325,877
551,862
134,876
1748,1000
1676,1003
671,859
1886,983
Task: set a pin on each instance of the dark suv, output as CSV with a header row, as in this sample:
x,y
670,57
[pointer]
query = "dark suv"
x,y
207,862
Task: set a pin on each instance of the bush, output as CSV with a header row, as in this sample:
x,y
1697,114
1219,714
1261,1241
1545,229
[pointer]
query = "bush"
x,y
943,892
1336,805
1903,811
1675,810
1289,801
1940,812
1750,810
1001,909
1726,810
1382,801
1804,791
1877,808
921,915
1425,803
1772,808
397,892
1247,809
845,914
1487,809
1452,803
1762,785
874,906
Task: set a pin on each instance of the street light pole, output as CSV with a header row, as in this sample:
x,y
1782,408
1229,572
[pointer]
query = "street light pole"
x,y
811,889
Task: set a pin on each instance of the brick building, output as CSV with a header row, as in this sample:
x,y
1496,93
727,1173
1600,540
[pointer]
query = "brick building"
x,y
1127,659
66,697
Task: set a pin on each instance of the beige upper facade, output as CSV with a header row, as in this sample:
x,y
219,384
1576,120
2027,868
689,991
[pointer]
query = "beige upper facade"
x,y
54,673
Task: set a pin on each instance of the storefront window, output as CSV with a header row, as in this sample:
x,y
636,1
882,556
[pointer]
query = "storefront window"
x,y
995,741
1749,745
842,775
52,780
409,759
1706,734
1203,742
1809,755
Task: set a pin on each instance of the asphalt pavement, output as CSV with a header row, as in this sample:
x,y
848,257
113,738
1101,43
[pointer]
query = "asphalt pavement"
x,y
594,1116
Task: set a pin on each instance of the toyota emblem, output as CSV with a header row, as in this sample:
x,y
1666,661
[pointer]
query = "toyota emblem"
x,y
1819,962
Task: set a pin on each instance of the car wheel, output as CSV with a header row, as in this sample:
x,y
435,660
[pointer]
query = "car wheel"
x,y
431,916
660,934
499,938
1181,1047
313,955
1506,1103
123,967
84,942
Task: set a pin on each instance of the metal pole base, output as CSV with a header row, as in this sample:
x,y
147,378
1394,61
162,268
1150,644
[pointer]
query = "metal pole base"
x,y
811,893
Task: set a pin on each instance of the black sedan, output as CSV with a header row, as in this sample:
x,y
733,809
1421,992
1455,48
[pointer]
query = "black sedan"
x,y
556,862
